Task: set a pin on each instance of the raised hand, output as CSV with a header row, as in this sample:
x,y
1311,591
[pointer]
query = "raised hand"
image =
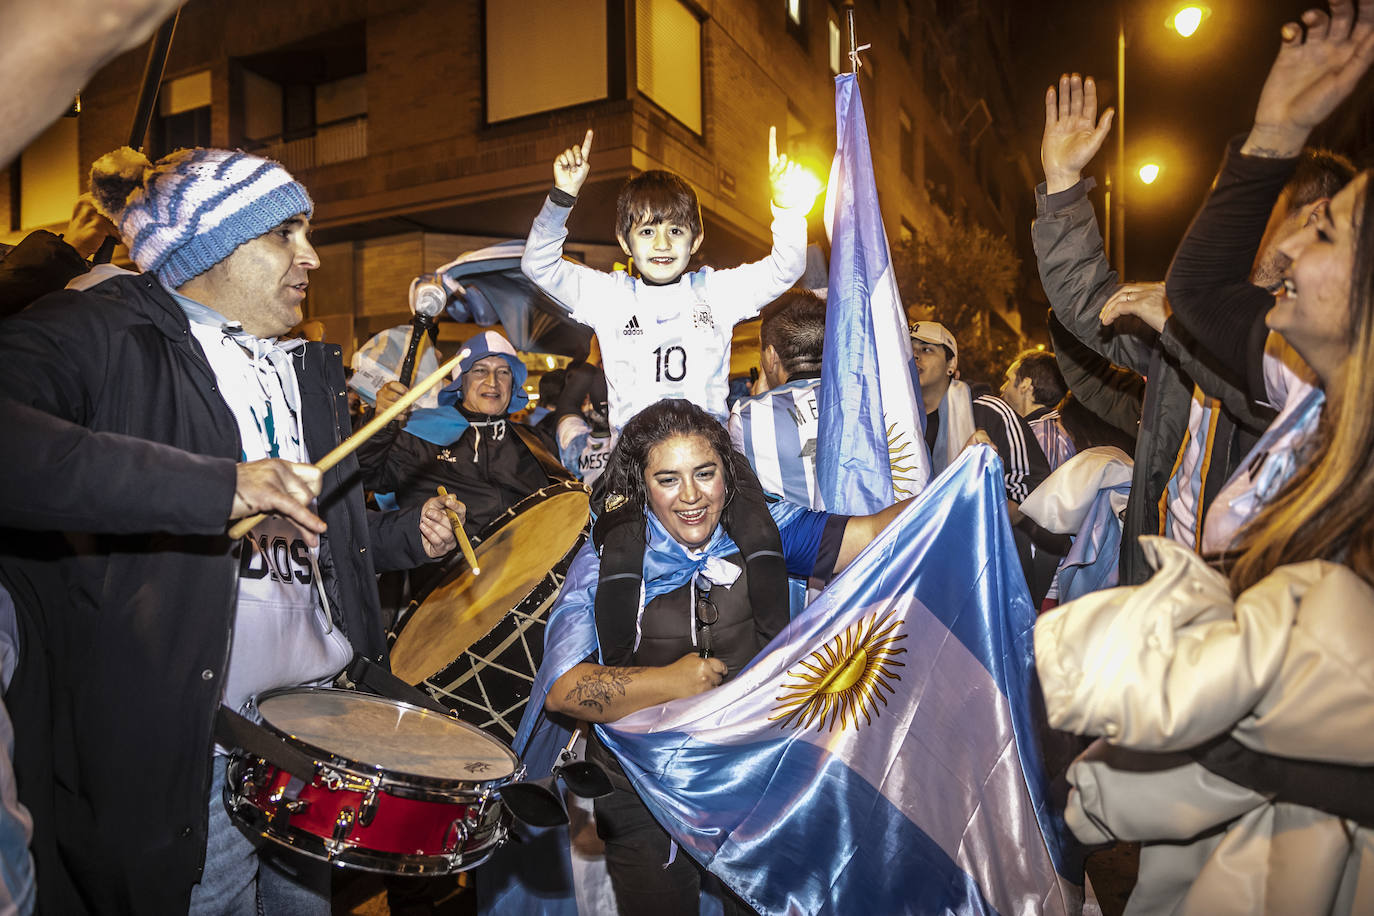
x,y
1073,132
1313,73
571,167
1145,301
793,186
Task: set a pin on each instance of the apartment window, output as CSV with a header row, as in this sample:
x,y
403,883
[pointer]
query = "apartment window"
x,y
49,177
904,27
939,181
796,19
305,105
183,109
835,55
668,58
906,141
542,55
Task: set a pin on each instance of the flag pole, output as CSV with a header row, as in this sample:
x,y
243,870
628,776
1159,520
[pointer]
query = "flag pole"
x,y
854,47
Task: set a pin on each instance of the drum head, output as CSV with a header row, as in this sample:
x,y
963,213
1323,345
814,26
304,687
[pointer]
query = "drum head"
x,y
464,608
400,739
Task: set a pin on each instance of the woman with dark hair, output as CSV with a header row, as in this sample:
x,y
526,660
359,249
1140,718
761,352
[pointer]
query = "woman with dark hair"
x,y
1237,708
692,626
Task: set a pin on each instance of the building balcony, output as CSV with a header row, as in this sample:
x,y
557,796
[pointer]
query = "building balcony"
x,y
338,141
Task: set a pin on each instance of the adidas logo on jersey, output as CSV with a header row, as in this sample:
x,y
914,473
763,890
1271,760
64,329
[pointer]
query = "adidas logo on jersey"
x,y
632,328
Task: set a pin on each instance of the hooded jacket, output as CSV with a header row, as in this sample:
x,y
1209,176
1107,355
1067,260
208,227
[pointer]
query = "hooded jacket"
x,y
488,462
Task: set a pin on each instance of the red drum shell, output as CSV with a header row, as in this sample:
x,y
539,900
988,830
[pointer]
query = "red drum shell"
x,y
359,813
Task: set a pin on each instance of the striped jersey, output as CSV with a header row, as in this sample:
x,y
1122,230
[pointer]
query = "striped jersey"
x,y
776,431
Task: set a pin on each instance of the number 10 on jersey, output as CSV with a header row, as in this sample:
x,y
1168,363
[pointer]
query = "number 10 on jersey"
x,y
670,364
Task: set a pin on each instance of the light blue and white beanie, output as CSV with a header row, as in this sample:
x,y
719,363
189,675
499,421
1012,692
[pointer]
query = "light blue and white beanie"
x,y
188,211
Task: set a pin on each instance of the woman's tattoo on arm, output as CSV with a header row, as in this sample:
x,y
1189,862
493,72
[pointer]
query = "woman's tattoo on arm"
x,y
598,690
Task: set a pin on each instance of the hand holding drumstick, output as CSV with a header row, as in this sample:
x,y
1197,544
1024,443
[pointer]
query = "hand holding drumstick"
x,y
457,522
378,423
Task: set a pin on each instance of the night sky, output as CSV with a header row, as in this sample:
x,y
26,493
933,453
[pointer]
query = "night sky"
x,y
1184,97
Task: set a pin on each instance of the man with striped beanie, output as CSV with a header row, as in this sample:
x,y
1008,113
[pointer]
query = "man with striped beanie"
x,y
145,637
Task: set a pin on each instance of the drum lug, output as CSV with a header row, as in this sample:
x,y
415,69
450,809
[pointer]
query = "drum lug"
x,y
367,808
343,826
284,807
457,838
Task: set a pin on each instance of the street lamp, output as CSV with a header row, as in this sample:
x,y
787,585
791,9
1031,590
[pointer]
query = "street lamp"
x,y
1149,172
1185,22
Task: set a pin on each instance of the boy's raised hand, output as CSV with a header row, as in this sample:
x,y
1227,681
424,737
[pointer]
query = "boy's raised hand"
x,y
793,187
1073,132
572,165
1318,64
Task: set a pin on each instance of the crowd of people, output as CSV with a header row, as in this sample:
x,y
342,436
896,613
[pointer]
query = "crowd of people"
x,y
1202,443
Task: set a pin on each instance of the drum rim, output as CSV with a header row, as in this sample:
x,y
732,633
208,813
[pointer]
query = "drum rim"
x,y
411,785
539,495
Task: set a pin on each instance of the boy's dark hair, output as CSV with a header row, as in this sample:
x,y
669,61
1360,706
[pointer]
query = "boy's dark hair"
x,y
1047,383
660,197
794,326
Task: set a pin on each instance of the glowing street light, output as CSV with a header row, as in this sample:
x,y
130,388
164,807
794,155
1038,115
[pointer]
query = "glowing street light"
x,y
1186,21
1149,172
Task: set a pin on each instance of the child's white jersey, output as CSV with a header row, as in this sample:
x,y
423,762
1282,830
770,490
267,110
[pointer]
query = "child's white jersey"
x,y
668,341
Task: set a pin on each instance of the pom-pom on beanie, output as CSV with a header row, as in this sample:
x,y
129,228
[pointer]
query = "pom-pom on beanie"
x,y
188,211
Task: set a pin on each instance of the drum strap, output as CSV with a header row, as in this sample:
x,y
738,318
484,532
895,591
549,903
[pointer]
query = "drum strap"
x,y
234,731
1342,790
366,673
552,467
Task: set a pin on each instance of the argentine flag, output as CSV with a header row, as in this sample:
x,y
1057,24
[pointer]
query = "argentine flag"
x,y
871,450
880,755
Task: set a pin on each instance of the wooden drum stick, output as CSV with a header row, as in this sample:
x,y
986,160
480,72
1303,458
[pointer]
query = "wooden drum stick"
x,y
462,536
374,426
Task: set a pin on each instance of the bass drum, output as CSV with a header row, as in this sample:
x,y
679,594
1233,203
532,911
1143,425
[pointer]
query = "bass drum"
x,y
475,642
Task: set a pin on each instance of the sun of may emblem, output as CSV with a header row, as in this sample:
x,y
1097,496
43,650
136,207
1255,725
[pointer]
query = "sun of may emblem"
x,y
845,678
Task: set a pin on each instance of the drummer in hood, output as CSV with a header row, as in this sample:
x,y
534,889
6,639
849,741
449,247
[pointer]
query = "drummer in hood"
x,y
468,443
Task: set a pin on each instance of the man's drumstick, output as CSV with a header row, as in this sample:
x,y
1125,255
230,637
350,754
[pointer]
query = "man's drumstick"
x,y
374,426
462,536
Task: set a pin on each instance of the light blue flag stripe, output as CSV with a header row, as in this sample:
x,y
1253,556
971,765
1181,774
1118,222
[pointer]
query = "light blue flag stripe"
x,y
939,801
866,394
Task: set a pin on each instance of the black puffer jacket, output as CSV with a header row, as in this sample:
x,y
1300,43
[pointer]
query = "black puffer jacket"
x,y
125,637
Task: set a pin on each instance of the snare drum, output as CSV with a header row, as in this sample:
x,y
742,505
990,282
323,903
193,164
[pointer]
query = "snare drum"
x,y
476,642
397,789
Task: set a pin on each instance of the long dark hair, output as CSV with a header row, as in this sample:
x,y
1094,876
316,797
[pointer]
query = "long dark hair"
x,y
623,478
1324,512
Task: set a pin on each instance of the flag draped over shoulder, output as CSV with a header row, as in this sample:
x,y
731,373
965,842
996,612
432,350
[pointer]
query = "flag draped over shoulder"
x,y
879,756
870,449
